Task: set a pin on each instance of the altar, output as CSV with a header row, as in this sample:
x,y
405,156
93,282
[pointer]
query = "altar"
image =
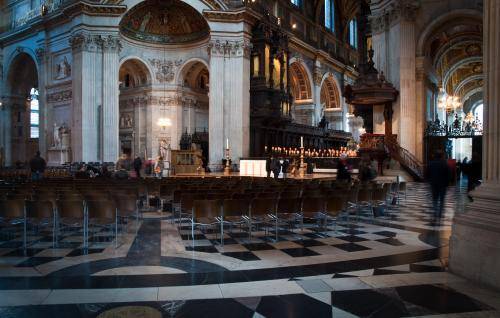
x,y
253,167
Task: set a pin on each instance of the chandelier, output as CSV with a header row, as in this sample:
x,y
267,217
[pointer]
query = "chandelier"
x,y
450,103
164,122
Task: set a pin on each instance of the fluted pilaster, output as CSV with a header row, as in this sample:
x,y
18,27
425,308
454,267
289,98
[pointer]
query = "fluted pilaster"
x,y
229,111
474,248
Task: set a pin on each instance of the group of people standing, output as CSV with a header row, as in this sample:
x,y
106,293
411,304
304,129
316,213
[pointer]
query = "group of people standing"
x,y
277,166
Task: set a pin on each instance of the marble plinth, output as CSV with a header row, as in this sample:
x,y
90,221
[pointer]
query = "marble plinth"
x,y
474,244
58,156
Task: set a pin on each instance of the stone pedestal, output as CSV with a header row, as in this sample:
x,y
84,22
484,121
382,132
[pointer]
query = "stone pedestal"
x,y
474,245
57,156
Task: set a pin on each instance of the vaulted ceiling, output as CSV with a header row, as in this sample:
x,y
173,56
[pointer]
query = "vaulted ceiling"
x,y
455,49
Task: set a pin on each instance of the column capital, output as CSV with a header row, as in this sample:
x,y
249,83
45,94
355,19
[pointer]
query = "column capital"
x,y
86,42
230,48
391,12
111,43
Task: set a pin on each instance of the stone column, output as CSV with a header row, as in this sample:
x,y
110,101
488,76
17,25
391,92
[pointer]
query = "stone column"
x,y
407,97
110,96
86,99
474,245
317,80
229,109
394,42
43,73
6,117
420,108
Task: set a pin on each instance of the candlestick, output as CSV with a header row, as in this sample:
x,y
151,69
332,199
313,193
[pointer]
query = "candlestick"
x,y
301,142
227,143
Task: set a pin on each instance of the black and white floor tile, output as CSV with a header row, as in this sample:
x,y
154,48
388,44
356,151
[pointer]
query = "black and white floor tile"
x,y
393,265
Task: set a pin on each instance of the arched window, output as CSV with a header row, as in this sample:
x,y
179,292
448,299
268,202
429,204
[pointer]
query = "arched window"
x,y
330,15
353,33
34,114
298,3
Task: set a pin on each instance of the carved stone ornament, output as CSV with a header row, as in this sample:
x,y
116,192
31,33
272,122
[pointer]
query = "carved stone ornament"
x,y
86,42
111,43
61,96
318,75
165,69
230,48
392,13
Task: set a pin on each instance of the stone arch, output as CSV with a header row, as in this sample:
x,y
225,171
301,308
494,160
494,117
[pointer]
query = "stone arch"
x,y
193,82
436,23
187,66
142,73
300,81
20,51
330,92
135,80
21,77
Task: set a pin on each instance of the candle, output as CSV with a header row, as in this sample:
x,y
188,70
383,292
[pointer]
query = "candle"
x,y
227,143
301,142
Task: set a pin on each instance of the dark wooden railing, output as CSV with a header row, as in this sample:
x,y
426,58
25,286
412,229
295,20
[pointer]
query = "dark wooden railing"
x,y
405,158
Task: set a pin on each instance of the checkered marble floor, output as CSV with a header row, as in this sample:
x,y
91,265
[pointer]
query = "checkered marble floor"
x,y
393,265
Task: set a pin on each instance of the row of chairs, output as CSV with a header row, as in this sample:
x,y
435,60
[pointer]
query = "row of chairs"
x,y
65,214
282,209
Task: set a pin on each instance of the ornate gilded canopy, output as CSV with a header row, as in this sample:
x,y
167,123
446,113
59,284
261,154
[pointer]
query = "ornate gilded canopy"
x,y
164,22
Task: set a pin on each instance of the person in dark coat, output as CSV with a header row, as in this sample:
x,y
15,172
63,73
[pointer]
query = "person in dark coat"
x,y
284,167
268,166
276,167
439,176
343,173
474,169
137,166
37,166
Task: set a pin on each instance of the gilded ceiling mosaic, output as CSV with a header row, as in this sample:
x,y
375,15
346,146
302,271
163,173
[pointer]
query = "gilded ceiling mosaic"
x,y
164,22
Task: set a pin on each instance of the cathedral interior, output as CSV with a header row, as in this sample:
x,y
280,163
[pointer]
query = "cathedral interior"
x,y
249,158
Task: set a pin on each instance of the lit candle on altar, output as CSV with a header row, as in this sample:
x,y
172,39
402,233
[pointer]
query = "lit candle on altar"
x,y
227,143
301,141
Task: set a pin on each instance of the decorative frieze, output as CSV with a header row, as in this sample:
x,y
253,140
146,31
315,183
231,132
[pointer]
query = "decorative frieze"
x,y
165,69
94,42
61,96
230,48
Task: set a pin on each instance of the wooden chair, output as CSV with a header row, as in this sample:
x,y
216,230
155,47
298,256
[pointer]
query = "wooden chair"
x,y
235,212
312,208
72,214
103,214
260,212
12,215
287,212
334,206
207,213
42,214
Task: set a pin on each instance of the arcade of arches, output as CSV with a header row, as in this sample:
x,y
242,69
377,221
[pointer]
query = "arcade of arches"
x,y
216,96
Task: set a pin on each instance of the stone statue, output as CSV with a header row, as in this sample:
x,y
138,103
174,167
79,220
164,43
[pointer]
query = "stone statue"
x,y
63,69
57,135
163,149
